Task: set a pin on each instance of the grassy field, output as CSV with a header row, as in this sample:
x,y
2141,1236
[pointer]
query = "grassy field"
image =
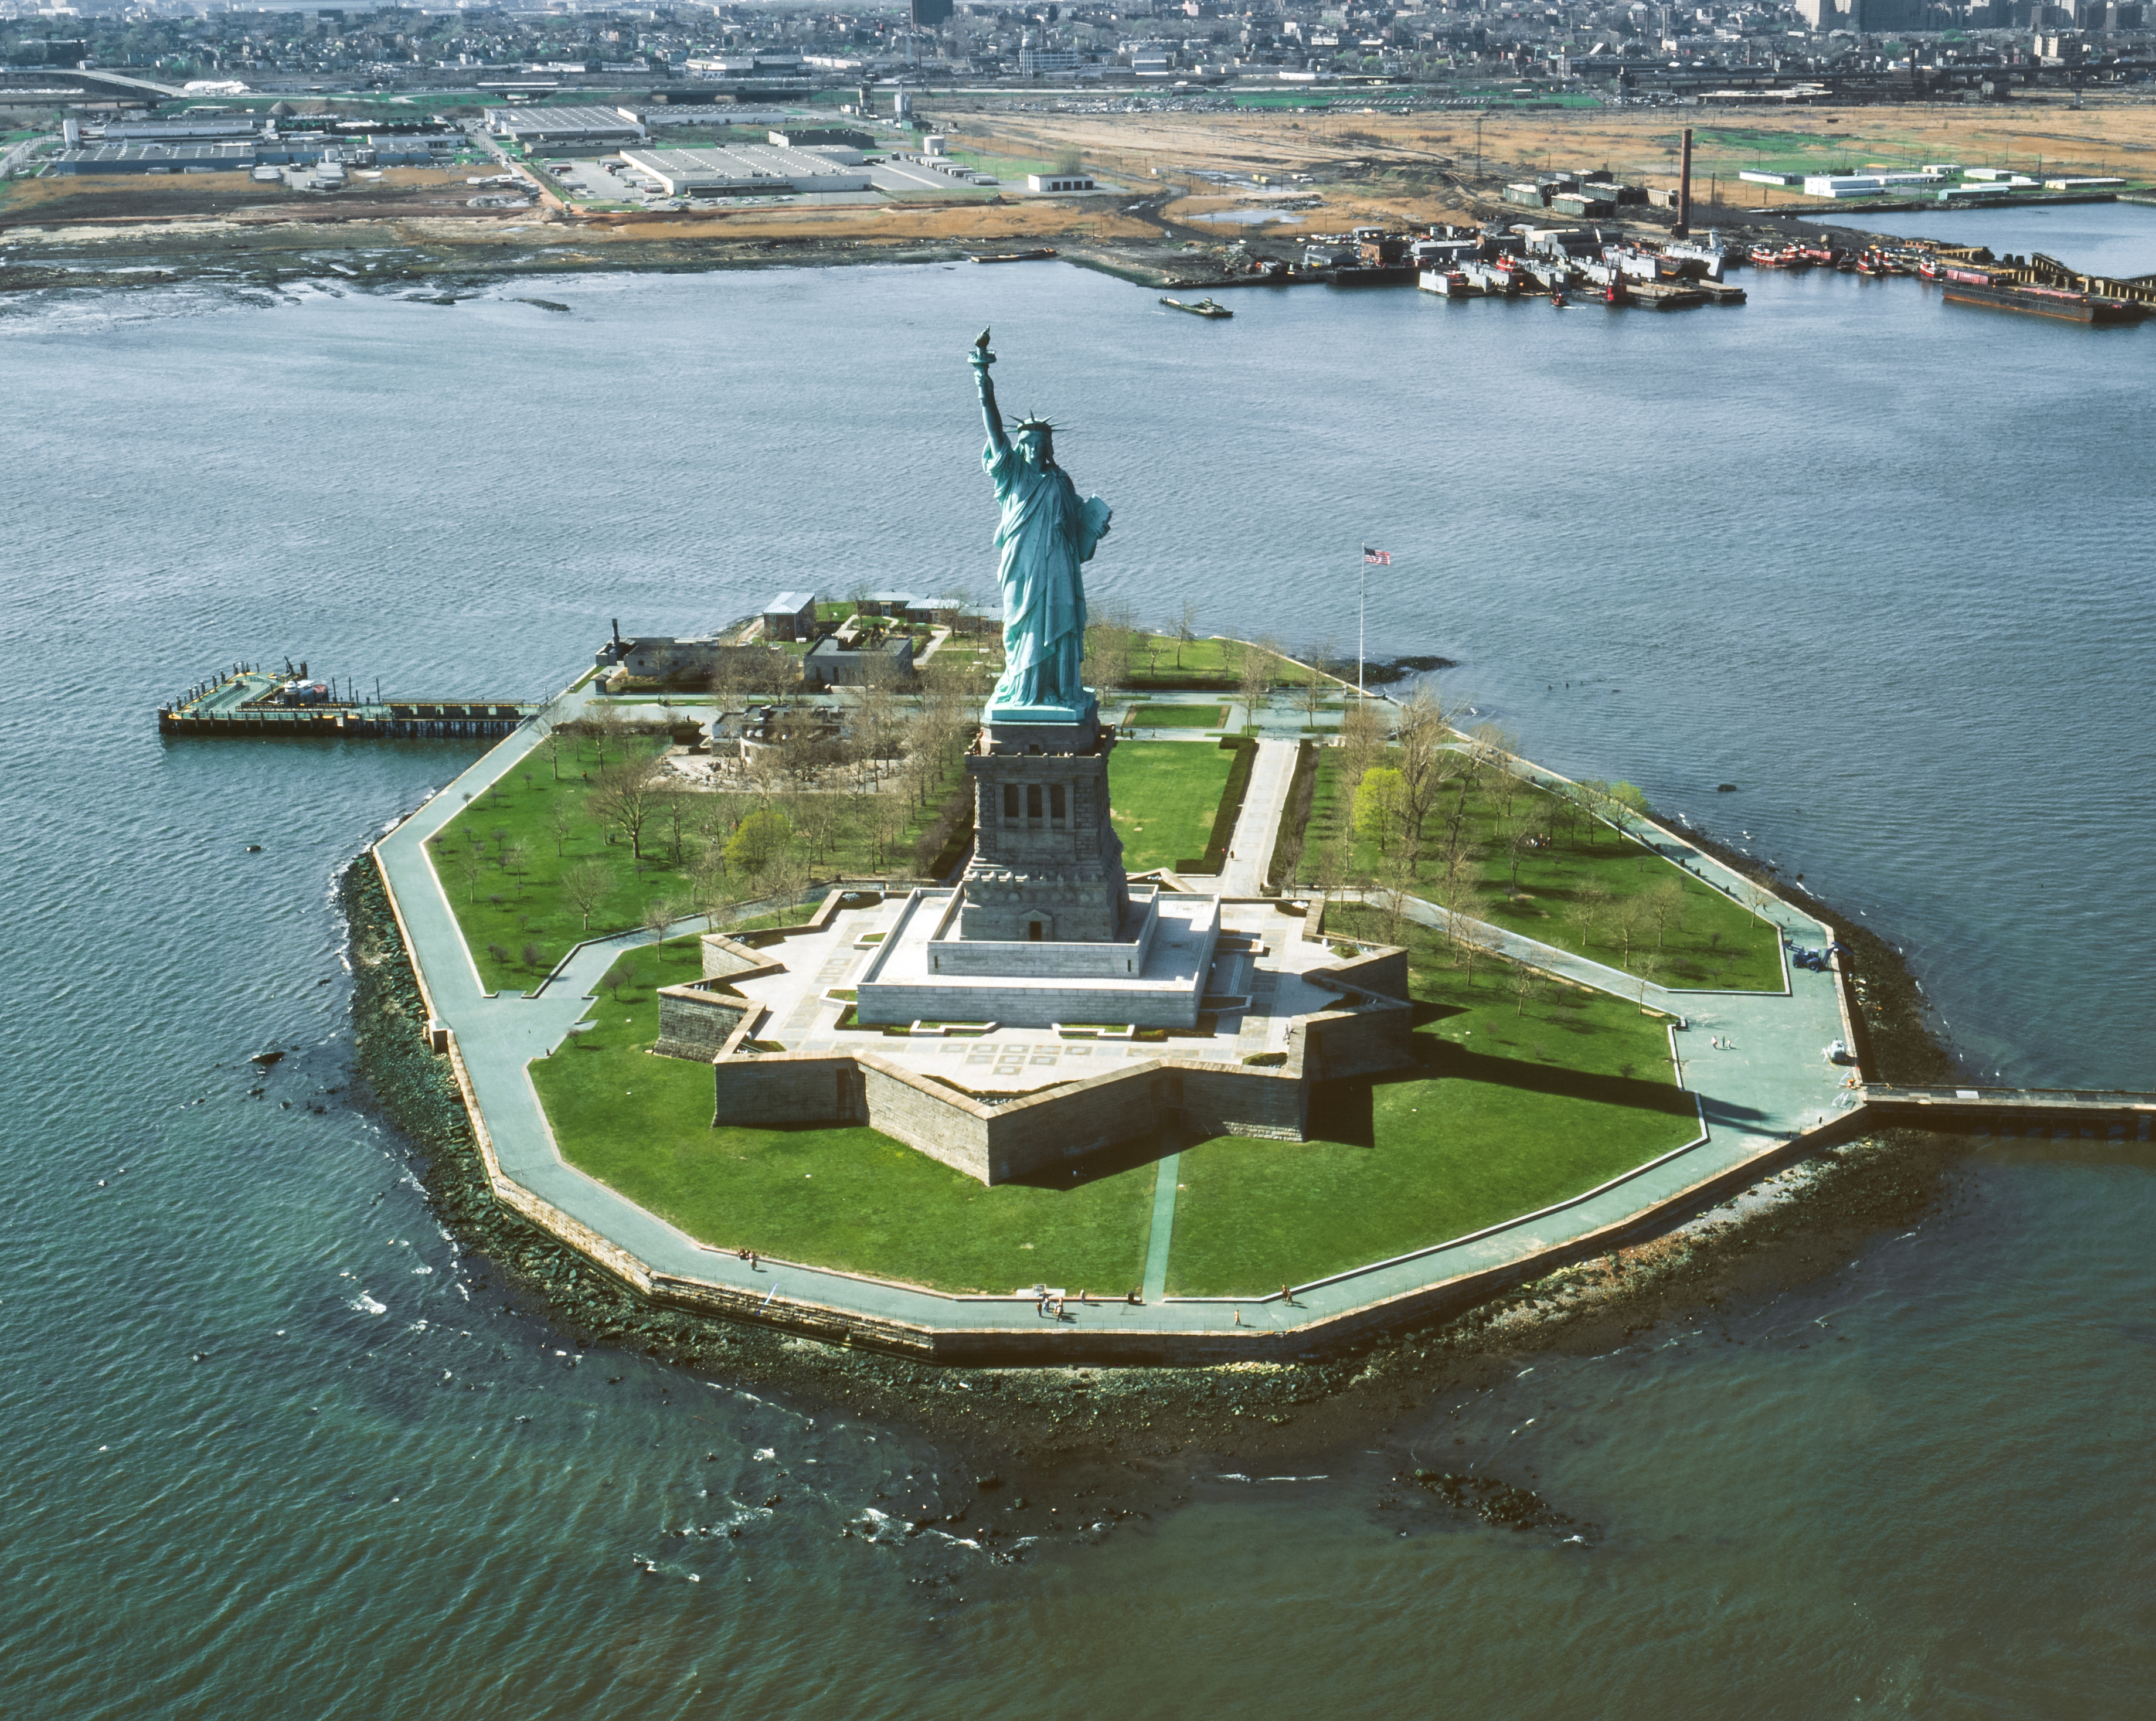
x,y
1161,660
1706,940
1515,1104
843,1197
1177,716
518,923
1162,796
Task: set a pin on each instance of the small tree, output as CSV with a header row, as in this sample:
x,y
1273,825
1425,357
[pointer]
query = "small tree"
x,y
757,841
1310,695
1473,941
1186,631
587,885
1425,763
1362,741
1666,907
1255,674
1525,984
471,868
676,806
1588,907
1379,802
659,914
560,820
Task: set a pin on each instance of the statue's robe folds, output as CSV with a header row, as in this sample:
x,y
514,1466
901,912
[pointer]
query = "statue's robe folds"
x,y
1045,534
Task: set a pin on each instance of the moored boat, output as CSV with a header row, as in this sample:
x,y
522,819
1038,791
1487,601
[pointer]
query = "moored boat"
x,y
1975,286
1199,307
1448,284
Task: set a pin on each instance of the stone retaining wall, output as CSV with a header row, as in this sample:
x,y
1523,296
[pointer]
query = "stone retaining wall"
x,y
696,1022
1002,1142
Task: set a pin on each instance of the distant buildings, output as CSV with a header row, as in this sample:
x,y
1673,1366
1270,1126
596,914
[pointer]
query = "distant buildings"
x,y
559,128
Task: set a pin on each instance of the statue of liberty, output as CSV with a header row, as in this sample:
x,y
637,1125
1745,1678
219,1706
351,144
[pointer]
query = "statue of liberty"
x,y
1045,535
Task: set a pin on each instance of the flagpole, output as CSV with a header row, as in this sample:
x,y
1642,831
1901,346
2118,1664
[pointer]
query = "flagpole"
x,y
1362,595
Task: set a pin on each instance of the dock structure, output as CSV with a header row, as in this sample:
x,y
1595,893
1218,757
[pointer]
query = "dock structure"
x,y
289,706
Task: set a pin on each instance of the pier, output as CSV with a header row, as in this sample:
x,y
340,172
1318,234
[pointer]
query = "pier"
x,y
287,705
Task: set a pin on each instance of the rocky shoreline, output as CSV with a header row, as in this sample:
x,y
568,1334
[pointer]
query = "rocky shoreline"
x,y
1070,1422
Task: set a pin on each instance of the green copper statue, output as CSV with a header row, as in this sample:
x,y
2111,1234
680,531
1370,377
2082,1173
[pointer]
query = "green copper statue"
x,y
1045,535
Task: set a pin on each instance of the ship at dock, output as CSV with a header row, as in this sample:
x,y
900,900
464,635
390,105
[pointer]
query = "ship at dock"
x,y
2042,286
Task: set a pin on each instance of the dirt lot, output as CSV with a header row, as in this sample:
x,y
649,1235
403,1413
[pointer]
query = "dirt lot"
x,y
1331,170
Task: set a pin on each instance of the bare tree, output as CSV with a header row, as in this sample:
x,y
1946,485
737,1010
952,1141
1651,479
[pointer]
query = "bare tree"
x,y
1393,891
1109,641
786,880
609,735
888,817
1315,686
1472,939
551,741
1420,737
1650,967
625,797
1186,630
560,820
587,885
1666,907
1588,906
1525,984
676,806
471,867
1255,676
1362,741
659,914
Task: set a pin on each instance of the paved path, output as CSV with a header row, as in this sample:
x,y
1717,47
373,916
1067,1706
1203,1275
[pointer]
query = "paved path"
x,y
1772,1083
1257,826
1163,1227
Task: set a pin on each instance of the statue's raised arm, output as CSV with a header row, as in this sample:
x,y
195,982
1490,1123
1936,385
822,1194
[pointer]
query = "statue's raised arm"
x,y
981,358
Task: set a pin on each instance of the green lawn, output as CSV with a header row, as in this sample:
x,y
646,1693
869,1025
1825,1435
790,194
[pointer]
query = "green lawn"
x,y
1512,1109
518,926
842,1197
1178,717
1707,941
1162,795
1160,660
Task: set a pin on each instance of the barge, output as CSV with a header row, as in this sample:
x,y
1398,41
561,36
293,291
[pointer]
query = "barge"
x,y
1964,285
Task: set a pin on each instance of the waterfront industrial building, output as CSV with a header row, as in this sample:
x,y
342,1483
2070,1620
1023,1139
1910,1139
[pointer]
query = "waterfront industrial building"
x,y
755,169
566,128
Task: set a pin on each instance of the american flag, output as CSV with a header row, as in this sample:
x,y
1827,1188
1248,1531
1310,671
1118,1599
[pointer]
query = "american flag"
x,y
1376,558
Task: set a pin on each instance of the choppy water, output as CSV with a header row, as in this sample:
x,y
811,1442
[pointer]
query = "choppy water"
x,y
1885,565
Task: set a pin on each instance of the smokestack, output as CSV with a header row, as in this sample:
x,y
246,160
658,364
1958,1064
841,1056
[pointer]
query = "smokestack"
x,y
1684,187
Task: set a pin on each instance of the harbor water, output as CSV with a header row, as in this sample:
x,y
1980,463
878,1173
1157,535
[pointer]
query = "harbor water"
x,y
276,1443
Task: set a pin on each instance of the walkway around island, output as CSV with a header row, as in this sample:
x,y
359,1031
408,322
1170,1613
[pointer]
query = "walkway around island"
x,y
1765,1092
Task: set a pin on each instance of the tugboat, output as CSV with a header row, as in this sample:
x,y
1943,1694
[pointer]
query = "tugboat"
x,y
1820,253
1785,257
1202,307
